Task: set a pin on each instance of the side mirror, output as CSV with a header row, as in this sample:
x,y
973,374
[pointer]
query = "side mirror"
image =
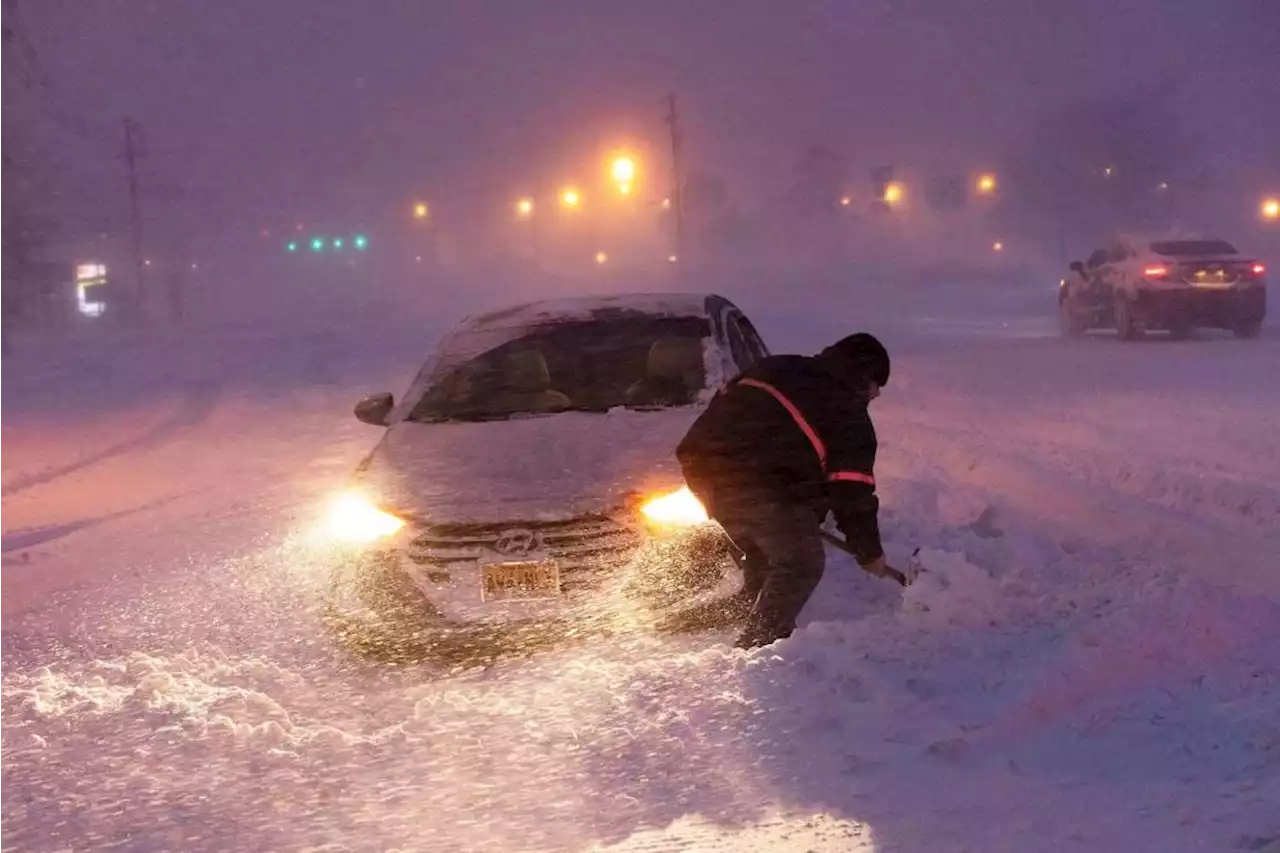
x,y
1077,266
375,408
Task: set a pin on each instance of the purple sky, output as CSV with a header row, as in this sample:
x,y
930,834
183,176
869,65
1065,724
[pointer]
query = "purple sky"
x,y
268,106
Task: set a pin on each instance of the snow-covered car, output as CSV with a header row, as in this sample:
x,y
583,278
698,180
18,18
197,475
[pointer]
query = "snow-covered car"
x,y
529,471
1177,284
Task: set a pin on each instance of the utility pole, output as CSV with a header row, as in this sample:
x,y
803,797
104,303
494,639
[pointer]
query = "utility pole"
x,y
677,175
130,159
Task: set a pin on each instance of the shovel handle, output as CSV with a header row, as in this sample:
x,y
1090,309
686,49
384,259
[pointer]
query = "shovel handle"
x,y
890,572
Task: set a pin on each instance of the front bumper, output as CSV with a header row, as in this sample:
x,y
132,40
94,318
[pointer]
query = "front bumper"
x,y
1225,308
596,560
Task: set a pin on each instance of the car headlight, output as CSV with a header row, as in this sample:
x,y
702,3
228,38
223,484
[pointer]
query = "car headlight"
x,y
353,518
678,509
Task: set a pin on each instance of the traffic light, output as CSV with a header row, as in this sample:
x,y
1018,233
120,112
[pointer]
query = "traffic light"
x,y
318,243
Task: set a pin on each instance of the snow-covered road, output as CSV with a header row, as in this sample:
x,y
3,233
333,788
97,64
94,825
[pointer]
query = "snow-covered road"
x,y
1102,673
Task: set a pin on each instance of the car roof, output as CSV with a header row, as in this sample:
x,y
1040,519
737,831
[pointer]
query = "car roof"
x,y
586,308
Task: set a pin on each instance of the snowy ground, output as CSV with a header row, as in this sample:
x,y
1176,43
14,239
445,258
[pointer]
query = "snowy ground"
x,y
1102,672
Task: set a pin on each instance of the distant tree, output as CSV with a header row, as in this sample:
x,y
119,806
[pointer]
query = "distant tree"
x,y
23,230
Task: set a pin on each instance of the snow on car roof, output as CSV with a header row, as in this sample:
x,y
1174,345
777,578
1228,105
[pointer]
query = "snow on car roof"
x,y
586,308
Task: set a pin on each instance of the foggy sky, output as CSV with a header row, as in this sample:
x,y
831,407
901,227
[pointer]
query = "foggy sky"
x,y
264,108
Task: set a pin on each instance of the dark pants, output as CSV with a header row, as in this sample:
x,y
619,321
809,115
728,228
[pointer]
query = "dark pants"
x,y
782,563
780,552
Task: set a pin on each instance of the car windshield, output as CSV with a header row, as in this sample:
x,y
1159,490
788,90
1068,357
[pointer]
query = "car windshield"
x,y
1193,247
643,362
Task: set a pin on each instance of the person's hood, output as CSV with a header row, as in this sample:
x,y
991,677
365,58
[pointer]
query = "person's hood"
x,y
541,468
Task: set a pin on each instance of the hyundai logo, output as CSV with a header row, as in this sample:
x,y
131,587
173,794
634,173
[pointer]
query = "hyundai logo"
x,y
516,543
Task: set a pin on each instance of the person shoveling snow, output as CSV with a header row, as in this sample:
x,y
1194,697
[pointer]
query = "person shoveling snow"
x,y
784,444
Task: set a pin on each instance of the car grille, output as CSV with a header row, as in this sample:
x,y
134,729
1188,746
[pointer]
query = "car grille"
x,y
586,549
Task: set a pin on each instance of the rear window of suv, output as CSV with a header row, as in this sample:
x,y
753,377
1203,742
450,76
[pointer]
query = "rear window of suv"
x,y
1193,247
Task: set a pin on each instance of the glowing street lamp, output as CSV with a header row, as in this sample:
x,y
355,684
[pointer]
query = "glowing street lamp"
x,y
524,208
986,184
570,198
845,201
420,210
894,192
997,246
602,257
1271,209
666,204
623,171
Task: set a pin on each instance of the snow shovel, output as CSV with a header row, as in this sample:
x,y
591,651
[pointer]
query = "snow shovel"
x,y
903,578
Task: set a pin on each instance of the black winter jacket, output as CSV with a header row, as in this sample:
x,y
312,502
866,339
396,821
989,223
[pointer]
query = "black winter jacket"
x,y
793,429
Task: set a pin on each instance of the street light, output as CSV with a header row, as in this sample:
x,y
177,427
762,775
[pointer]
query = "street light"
x,y
845,201
1271,209
602,257
623,171
986,184
524,208
570,198
894,193
997,246
420,210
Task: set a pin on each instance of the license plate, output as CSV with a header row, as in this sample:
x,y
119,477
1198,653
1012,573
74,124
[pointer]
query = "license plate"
x,y
520,580
1215,278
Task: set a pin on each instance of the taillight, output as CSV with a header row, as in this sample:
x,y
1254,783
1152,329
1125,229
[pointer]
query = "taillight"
x,y
1156,272
1258,269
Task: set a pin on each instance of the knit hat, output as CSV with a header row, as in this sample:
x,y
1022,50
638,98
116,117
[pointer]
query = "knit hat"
x,y
863,352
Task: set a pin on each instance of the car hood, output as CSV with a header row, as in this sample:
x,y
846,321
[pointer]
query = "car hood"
x,y
544,468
